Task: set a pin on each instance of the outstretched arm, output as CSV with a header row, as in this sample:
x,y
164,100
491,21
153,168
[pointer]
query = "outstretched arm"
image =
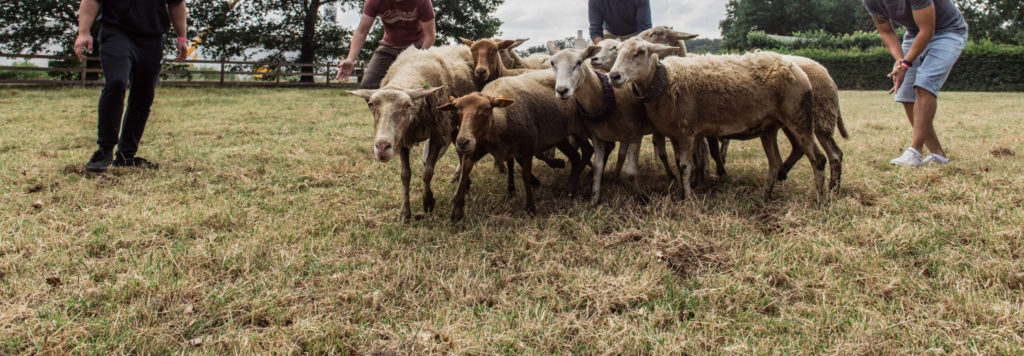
x,y
358,40
87,12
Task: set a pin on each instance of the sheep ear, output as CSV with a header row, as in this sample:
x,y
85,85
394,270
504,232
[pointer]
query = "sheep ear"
x,y
519,42
662,50
501,102
682,36
552,49
420,93
363,93
506,44
591,51
467,42
449,106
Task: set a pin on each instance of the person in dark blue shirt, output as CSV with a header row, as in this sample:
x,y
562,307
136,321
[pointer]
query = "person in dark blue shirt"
x,y
618,19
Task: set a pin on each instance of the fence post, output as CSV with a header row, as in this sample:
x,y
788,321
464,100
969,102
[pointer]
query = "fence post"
x,y
278,71
222,72
327,76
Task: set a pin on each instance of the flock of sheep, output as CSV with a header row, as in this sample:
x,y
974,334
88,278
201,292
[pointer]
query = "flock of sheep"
x,y
485,99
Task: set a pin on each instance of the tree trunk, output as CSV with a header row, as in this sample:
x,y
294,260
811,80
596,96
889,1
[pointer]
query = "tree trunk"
x,y
308,51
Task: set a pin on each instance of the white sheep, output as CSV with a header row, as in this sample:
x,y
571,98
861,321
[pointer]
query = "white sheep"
x,y
404,109
725,96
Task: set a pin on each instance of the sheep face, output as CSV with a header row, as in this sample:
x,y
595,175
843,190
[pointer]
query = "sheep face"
x,y
605,58
475,111
636,61
486,58
393,110
664,35
569,70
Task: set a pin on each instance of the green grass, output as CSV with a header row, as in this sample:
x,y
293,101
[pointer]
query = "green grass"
x,y
269,228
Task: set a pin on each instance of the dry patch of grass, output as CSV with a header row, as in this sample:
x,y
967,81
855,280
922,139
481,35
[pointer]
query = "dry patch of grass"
x,y
270,228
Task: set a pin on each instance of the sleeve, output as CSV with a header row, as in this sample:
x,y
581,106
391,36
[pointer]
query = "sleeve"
x,y
371,8
919,4
872,7
596,19
643,16
426,10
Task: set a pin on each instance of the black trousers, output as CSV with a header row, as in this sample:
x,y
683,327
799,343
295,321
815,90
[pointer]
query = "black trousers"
x,y
128,62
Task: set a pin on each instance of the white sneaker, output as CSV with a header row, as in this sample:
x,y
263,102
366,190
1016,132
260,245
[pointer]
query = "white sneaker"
x,y
910,157
934,158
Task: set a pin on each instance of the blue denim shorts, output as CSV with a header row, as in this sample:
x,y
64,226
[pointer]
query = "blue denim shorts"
x,y
931,69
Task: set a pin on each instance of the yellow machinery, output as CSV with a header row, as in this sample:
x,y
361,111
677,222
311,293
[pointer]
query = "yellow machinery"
x,y
192,49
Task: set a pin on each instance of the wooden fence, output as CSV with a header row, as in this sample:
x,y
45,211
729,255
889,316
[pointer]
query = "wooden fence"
x,y
189,72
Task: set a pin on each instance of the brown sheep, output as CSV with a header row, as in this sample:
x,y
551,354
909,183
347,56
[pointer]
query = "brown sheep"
x,y
724,96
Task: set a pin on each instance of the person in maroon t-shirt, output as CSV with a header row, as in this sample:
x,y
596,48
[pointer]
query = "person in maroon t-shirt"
x,y
406,23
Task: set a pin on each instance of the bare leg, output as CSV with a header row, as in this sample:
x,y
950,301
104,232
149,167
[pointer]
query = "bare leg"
x,y
600,153
924,130
406,177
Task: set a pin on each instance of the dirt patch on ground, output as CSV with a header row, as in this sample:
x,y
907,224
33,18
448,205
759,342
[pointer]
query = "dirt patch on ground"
x,y
689,257
1003,152
72,168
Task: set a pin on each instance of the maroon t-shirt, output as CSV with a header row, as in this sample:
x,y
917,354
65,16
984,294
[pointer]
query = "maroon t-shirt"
x,y
401,19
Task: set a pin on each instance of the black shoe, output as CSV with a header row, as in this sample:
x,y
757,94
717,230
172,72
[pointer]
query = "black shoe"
x,y
132,161
100,161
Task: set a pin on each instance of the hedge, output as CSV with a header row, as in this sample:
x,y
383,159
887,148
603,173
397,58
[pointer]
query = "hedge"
x,y
983,66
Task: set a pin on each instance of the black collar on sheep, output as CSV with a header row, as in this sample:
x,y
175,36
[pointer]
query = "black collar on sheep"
x,y
607,93
658,85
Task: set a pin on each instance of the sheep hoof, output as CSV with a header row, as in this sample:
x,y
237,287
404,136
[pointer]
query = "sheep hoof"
x,y
511,192
534,181
782,176
456,217
428,204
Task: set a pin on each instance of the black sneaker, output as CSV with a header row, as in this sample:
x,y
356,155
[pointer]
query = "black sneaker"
x,y
132,161
100,161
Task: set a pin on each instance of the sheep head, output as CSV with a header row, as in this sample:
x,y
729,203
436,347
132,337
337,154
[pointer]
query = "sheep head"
x,y
636,61
485,57
475,111
664,35
570,71
507,58
393,110
605,58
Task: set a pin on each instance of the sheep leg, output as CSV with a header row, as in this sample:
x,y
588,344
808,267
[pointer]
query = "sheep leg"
x,y
659,150
549,158
700,162
835,159
406,178
717,155
459,200
623,152
769,141
511,177
498,166
815,156
794,156
527,171
600,155
724,150
433,150
576,162
633,153
684,162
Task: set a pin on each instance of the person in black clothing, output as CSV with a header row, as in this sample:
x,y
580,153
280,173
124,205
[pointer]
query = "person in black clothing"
x,y
131,35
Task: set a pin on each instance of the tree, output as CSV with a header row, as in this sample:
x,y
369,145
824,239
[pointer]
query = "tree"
x,y
1001,21
787,17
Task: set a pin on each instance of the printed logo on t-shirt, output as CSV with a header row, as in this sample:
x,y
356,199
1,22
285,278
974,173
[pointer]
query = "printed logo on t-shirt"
x,y
394,16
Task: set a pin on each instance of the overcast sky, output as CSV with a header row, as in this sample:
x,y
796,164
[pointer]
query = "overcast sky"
x,y
542,20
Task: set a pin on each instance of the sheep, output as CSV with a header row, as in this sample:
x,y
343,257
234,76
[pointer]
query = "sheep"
x,y
404,111
512,60
725,96
666,35
491,124
605,58
610,115
489,66
827,117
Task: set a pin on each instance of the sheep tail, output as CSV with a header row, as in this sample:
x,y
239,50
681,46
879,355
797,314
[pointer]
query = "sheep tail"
x,y
842,127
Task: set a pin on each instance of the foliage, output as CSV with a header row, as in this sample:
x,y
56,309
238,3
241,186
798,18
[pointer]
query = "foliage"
x,y
704,45
1001,21
786,17
816,39
22,74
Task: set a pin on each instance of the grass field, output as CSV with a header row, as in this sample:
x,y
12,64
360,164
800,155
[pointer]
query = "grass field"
x,y
270,228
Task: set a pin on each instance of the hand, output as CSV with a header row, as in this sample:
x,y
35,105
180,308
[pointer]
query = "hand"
x,y
897,74
345,70
182,50
84,41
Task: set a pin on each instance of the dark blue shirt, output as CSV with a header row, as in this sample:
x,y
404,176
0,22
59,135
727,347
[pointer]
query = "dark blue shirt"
x,y
619,17
144,18
947,17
